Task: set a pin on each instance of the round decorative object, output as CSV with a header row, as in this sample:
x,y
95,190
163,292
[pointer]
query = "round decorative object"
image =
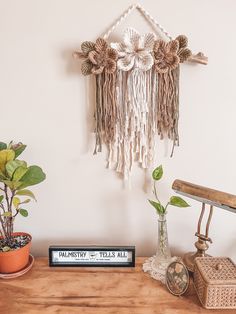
x,y
177,278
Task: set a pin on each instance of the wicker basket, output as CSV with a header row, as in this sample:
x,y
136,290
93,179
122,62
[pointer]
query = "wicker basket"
x,y
215,282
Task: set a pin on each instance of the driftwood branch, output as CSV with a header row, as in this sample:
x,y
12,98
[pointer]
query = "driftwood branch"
x,y
199,58
196,58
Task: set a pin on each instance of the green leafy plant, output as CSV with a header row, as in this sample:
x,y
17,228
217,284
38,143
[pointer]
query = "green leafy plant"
x,y
174,200
15,177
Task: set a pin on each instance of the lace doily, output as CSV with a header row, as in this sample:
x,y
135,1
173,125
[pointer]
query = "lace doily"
x,y
157,271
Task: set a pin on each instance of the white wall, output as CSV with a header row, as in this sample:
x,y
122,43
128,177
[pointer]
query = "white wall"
x,y
43,101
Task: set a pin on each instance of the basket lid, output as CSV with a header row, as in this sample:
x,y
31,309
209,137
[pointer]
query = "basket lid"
x,y
217,270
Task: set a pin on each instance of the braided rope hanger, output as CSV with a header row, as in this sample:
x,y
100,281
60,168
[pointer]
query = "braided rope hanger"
x,y
196,58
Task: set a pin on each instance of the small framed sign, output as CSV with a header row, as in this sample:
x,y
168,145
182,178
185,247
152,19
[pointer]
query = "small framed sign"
x,y
95,256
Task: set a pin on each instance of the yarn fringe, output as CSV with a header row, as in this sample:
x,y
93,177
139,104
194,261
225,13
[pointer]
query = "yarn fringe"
x,y
105,109
131,107
168,106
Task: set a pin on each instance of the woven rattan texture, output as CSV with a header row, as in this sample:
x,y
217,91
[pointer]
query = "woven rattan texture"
x,y
208,266
219,291
199,285
221,297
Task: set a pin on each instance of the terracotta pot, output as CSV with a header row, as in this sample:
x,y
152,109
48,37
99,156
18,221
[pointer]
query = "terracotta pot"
x,y
13,261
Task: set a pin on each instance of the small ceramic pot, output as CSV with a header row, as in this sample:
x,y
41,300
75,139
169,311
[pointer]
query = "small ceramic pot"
x,y
13,261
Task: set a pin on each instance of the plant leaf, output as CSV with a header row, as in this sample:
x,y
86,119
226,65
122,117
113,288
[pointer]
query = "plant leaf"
x,y
34,175
26,201
19,173
23,212
159,208
157,173
1,198
16,201
2,176
13,185
5,156
7,214
26,193
9,145
178,201
12,165
19,149
3,146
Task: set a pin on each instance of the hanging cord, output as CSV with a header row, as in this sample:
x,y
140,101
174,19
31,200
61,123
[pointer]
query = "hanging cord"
x,y
143,12
195,58
153,21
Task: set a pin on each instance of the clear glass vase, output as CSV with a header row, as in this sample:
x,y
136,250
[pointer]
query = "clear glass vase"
x,y
163,255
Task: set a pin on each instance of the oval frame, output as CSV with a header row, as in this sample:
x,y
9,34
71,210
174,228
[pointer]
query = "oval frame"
x,y
179,270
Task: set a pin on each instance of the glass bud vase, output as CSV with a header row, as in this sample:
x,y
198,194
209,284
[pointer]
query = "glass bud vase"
x,y
163,255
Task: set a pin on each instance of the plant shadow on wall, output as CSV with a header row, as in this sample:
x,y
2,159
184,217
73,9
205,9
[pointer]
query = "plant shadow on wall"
x,y
15,177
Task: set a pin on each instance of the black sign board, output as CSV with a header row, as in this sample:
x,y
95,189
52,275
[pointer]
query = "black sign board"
x,y
94,256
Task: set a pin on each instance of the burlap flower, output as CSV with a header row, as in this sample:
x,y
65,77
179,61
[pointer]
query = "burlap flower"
x,y
135,50
98,57
103,58
165,55
183,53
86,47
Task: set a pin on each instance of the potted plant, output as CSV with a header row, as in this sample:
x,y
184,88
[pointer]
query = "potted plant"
x,y
163,255
15,178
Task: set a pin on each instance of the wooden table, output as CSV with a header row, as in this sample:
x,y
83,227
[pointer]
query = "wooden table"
x,y
93,290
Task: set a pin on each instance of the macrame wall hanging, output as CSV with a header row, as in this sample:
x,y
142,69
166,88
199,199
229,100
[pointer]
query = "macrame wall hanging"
x,y
137,91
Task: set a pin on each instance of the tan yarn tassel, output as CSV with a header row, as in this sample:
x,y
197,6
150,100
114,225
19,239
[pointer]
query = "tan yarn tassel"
x,y
175,109
98,114
105,109
109,107
168,105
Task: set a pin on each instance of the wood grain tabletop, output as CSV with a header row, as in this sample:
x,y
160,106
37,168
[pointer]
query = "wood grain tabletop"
x,y
91,290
